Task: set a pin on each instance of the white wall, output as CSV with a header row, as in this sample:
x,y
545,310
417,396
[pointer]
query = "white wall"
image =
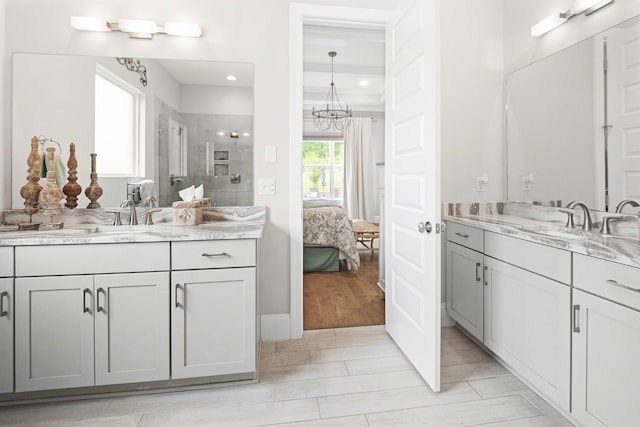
x,y
521,49
5,114
472,104
216,100
234,31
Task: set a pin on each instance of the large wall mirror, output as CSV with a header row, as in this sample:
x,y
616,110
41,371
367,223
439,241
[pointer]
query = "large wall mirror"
x,y
177,123
573,129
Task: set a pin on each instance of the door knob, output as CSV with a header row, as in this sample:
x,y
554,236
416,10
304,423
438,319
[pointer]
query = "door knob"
x,y
421,227
428,227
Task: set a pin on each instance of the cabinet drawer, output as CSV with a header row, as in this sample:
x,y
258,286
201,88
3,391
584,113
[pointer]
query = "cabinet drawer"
x,y
470,237
544,260
6,261
213,254
91,259
616,282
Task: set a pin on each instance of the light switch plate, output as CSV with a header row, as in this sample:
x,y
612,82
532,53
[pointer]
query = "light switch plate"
x,y
267,186
271,154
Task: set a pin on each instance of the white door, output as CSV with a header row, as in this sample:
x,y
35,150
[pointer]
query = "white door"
x,y
53,332
132,327
213,328
623,57
412,185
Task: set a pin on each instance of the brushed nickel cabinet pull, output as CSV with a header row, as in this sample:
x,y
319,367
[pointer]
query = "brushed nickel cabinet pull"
x,y
464,236
478,278
98,306
215,255
3,312
621,285
576,318
176,295
86,292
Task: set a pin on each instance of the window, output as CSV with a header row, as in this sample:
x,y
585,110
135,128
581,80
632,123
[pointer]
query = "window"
x,y
323,169
119,126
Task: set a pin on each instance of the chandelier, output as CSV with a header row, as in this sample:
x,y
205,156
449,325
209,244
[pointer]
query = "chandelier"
x,y
332,116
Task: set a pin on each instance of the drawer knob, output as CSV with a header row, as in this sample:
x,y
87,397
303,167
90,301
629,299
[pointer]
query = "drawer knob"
x,y
215,255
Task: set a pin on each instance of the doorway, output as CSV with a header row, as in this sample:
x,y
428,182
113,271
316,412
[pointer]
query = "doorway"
x,y
340,282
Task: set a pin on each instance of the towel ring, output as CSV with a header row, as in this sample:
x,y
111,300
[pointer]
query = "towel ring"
x,y
42,140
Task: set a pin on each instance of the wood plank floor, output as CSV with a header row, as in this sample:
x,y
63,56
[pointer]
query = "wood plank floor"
x,y
344,298
332,377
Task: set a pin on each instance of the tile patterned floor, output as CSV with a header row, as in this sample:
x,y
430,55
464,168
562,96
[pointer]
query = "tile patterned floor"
x,y
333,377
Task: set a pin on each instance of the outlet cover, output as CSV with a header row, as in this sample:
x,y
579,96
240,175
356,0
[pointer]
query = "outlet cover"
x,y
266,186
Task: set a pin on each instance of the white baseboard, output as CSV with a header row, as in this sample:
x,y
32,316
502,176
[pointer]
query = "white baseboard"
x,y
275,327
445,319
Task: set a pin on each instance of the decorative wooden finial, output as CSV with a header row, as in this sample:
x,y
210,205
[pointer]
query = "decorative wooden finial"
x,y
51,194
31,190
72,189
93,191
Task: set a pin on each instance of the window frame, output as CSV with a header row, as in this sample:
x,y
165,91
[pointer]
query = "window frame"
x,y
139,117
331,166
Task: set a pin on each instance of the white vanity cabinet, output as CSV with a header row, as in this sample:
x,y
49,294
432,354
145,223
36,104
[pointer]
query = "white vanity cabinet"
x,y
78,329
464,277
606,343
213,306
527,314
6,319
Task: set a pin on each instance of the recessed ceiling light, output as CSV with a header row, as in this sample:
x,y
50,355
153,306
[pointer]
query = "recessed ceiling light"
x,y
363,82
232,78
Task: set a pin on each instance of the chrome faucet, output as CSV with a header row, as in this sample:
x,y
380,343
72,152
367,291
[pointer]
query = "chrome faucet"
x,y
630,202
587,223
133,216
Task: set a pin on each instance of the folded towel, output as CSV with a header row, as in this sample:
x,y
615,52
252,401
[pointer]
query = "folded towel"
x,y
60,167
148,193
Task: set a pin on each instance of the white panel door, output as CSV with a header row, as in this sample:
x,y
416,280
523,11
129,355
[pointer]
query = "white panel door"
x,y
6,335
623,72
213,329
132,327
54,332
606,350
412,185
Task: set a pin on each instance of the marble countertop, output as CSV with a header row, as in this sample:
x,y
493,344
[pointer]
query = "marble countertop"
x,y
229,223
545,225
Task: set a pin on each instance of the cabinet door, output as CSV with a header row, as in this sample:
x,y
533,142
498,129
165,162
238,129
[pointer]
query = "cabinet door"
x,y
6,335
213,322
606,372
54,332
465,288
132,327
526,324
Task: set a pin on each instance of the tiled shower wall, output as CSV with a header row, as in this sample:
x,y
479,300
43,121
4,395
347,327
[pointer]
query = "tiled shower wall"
x,y
235,157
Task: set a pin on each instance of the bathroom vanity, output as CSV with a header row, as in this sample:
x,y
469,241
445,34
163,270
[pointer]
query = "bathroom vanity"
x,y
559,307
129,307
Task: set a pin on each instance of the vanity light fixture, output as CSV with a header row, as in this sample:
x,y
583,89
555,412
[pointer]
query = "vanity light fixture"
x,y
136,28
549,23
234,134
232,78
579,6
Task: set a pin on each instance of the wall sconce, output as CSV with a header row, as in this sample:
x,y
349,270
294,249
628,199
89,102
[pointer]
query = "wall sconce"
x,y
136,28
557,19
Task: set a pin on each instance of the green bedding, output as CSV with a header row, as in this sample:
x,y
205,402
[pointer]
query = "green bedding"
x,y
320,258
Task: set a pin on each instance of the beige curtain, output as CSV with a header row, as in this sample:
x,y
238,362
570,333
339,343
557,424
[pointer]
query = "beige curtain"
x,y
358,164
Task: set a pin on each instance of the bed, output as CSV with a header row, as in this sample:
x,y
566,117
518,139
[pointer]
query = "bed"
x,y
327,237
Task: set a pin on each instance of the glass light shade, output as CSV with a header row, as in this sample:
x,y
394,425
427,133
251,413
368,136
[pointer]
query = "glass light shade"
x,y
139,26
90,23
182,29
548,24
